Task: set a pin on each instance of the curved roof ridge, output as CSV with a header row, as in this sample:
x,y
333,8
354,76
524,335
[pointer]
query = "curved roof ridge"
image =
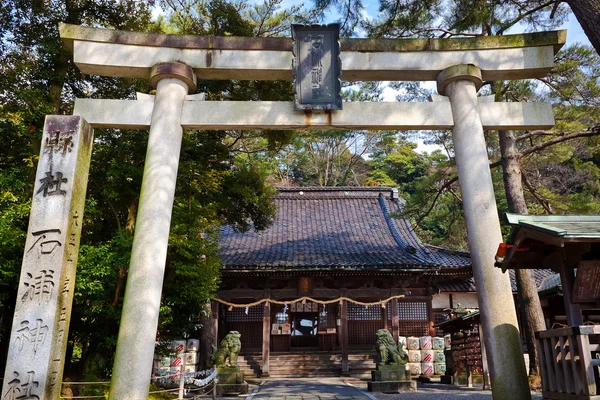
x,y
398,237
333,188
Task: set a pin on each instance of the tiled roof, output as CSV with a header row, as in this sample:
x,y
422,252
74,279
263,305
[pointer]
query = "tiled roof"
x,y
460,285
335,228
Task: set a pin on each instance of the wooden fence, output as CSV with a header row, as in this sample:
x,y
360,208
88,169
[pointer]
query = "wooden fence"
x,y
567,362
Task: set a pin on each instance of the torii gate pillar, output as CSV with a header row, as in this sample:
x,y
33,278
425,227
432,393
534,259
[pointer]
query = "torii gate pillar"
x,y
498,316
141,304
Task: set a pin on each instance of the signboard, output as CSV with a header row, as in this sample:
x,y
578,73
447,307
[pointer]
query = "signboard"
x,y
587,282
317,67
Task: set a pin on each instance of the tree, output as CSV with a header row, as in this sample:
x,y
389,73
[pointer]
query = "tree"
x,y
477,18
588,15
34,69
217,184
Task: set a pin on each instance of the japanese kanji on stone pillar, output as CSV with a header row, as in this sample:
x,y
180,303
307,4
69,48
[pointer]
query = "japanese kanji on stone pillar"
x,y
35,361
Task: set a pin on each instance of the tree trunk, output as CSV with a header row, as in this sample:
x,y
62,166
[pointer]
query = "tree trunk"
x,y
207,338
532,317
588,15
122,278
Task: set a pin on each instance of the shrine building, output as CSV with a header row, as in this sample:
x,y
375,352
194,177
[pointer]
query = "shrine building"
x,y
342,247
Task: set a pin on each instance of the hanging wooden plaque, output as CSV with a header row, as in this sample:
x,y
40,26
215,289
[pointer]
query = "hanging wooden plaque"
x,y
317,67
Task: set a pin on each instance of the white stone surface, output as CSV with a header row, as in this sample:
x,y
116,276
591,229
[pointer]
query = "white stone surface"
x,y
131,114
498,316
40,328
110,59
139,319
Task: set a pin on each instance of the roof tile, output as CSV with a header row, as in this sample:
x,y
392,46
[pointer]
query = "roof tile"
x,y
335,227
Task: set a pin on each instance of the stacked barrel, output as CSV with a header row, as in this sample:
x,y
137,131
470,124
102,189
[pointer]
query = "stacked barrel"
x,y
183,357
191,355
426,354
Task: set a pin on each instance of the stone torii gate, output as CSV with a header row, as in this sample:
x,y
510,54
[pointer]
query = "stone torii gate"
x,y
172,64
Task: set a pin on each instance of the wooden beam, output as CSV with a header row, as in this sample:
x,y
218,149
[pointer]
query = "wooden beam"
x,y
266,345
567,279
395,321
230,115
214,307
344,335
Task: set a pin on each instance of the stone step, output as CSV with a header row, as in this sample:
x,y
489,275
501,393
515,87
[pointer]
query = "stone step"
x,y
308,364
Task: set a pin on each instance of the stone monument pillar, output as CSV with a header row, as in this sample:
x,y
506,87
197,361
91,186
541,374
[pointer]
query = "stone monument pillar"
x,y
38,340
137,333
498,316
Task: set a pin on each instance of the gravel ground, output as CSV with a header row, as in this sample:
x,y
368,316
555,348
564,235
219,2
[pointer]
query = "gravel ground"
x,y
348,388
436,391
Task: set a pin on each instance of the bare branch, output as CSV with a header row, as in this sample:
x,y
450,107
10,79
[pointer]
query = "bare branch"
x,y
441,190
532,134
559,139
543,202
447,32
522,16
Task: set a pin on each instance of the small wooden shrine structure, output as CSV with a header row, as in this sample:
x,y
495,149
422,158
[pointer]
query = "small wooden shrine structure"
x,y
467,360
569,245
360,269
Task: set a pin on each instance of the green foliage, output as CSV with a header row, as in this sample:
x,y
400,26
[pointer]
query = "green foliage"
x,y
217,183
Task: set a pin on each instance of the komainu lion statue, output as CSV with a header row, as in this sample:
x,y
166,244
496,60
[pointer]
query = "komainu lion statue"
x,y
387,350
229,349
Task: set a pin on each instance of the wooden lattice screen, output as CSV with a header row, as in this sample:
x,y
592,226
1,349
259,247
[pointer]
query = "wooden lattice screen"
x,y
327,318
249,325
413,318
363,323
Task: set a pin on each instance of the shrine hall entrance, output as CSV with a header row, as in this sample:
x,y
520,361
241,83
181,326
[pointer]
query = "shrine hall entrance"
x,y
304,329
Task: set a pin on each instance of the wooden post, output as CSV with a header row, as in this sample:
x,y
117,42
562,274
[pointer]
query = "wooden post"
x,y
384,317
214,307
395,321
344,334
587,368
266,345
430,317
484,364
567,280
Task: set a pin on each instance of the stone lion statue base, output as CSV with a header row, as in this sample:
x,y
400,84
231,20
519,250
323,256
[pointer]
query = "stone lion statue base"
x,y
231,379
390,376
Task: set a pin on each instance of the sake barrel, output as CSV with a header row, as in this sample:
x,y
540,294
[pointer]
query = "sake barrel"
x,y
426,342
192,345
191,358
412,343
439,356
164,362
178,346
177,361
447,341
439,368
438,343
414,368
427,356
402,342
427,369
175,369
414,356
190,368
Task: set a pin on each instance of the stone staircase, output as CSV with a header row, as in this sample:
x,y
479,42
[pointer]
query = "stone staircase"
x,y
308,364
